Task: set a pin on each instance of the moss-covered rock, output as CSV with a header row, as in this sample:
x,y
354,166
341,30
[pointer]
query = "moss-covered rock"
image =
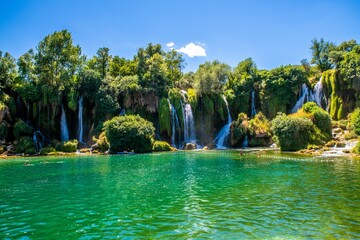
x,y
68,146
102,142
22,129
26,145
164,117
161,146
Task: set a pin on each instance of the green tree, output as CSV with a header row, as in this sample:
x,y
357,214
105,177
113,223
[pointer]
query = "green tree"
x,y
320,54
102,61
211,77
7,70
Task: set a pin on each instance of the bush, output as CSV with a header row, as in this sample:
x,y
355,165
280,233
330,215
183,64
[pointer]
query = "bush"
x,y
321,118
356,149
47,150
68,146
26,145
161,146
355,120
129,133
102,142
22,129
292,133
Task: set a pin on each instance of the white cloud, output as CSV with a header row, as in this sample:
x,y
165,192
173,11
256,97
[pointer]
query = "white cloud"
x,y
170,44
193,50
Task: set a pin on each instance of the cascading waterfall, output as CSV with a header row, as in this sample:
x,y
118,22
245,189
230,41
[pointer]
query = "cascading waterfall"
x,y
245,143
318,94
80,120
64,127
38,139
253,110
189,123
305,95
174,124
225,130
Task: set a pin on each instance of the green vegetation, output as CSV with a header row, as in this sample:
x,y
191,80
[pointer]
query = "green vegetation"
x,y
161,146
34,87
129,133
310,126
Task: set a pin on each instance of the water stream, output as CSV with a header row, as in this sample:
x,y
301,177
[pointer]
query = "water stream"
x,y
224,131
64,127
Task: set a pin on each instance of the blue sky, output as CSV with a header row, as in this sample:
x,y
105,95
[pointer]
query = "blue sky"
x,y
273,32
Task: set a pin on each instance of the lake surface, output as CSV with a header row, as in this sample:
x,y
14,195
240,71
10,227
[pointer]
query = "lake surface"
x,y
215,194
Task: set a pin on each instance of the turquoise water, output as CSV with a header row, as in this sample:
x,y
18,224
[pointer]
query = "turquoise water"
x,y
218,195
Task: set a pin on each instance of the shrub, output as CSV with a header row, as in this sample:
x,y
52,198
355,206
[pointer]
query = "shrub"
x,y
26,145
356,149
47,150
292,133
321,118
102,142
161,146
22,129
129,133
68,146
355,120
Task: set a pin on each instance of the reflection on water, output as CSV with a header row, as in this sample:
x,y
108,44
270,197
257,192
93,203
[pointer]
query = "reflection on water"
x,y
180,195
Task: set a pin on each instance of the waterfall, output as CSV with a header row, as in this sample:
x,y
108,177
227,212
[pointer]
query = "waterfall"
x,y
80,120
245,143
174,124
225,130
305,95
64,127
38,139
253,110
318,94
189,123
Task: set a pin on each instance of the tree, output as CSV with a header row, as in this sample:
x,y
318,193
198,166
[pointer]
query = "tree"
x,y
320,54
175,63
56,62
7,70
102,61
211,77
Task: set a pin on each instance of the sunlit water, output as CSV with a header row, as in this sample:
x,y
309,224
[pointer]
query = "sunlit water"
x,y
218,195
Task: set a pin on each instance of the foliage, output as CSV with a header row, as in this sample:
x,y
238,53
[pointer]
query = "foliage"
x,y
164,117
279,89
26,145
355,120
292,133
22,129
129,133
211,77
102,142
320,54
7,70
46,150
68,146
239,129
320,118
356,149
161,146
259,126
